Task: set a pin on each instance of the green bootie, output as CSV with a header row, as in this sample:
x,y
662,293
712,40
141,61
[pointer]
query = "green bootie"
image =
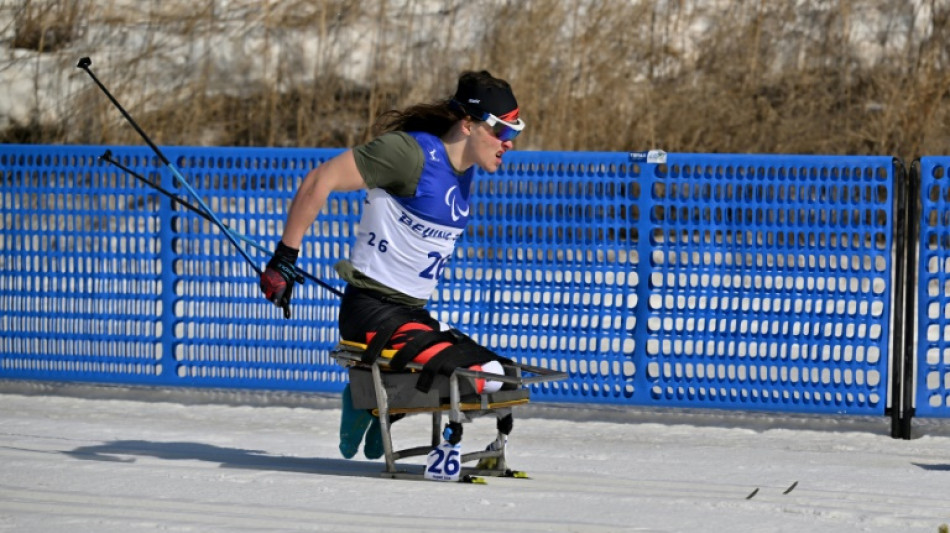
x,y
353,424
373,449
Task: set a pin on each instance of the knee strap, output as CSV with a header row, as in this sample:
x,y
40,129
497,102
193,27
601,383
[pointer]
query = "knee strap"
x,y
382,336
465,353
414,347
394,319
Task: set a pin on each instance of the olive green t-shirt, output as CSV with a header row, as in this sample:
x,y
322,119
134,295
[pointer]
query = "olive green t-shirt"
x,y
393,162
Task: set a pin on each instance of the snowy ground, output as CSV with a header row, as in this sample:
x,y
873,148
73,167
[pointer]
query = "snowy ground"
x,y
107,462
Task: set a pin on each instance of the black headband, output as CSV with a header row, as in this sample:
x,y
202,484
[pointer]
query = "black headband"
x,y
477,97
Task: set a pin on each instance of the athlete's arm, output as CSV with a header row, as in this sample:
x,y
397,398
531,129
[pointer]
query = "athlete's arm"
x,y
337,174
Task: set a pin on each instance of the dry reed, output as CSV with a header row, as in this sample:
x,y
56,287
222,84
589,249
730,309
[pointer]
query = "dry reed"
x,y
753,77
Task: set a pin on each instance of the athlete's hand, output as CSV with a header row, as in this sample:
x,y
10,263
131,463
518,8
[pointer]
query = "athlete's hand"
x,y
277,280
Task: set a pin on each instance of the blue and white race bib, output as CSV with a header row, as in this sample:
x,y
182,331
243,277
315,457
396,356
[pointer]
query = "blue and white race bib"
x,y
444,462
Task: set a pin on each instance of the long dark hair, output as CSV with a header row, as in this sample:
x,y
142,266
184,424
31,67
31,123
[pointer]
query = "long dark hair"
x,y
435,118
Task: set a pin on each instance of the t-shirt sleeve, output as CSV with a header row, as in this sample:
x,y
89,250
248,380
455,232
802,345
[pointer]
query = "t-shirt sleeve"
x,y
393,161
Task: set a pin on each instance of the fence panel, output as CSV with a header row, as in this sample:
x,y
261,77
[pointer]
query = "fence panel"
x,y
82,267
104,281
771,281
933,290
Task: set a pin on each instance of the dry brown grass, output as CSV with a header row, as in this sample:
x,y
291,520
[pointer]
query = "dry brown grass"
x,y
47,26
761,77
758,83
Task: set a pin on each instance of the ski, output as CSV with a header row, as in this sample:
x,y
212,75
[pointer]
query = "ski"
x,y
517,474
412,476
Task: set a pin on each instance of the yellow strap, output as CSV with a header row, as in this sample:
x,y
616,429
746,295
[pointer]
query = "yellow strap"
x,y
386,353
462,406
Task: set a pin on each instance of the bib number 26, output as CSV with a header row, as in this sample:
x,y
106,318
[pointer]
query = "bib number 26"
x,y
434,270
444,462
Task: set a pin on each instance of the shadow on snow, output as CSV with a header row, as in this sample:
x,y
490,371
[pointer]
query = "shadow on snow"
x,y
126,451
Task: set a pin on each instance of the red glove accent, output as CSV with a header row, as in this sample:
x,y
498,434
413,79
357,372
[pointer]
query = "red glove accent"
x,y
273,285
277,280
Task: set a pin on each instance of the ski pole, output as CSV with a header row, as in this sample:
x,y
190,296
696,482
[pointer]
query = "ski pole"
x,y
107,157
84,64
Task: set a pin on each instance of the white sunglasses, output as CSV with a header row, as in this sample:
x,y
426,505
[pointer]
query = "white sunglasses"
x,y
502,129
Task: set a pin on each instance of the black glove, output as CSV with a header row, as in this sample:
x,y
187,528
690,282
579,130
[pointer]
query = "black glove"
x,y
277,280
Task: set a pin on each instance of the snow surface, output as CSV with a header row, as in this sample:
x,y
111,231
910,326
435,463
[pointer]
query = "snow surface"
x,y
230,461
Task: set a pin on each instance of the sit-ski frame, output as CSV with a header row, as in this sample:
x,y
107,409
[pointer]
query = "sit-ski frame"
x,y
460,408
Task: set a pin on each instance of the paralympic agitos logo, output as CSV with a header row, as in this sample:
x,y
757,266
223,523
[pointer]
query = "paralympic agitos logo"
x,y
456,211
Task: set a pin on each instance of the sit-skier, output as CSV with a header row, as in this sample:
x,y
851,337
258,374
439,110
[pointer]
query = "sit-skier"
x,y
418,173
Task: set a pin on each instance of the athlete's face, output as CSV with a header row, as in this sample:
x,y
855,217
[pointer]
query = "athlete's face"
x,y
488,149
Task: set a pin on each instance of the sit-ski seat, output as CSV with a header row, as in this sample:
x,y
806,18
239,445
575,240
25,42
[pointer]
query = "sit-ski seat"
x,y
373,386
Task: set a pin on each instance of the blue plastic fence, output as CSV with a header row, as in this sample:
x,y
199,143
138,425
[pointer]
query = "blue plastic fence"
x,y
933,290
730,281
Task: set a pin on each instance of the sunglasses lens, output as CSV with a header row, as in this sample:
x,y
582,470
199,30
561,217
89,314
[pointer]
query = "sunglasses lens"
x,y
504,132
